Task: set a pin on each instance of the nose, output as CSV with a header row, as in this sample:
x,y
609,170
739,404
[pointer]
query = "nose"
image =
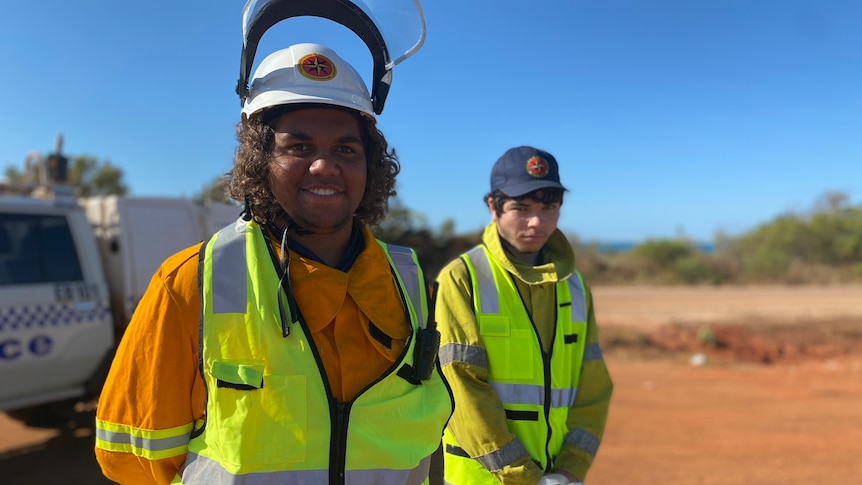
x,y
323,164
534,220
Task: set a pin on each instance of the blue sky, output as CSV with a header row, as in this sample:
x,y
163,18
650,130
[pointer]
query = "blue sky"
x,y
669,118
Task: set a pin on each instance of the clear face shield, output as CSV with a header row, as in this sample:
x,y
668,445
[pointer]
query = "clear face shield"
x,y
392,31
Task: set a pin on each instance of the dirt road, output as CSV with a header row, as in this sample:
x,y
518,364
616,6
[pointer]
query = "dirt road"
x,y
645,306
796,419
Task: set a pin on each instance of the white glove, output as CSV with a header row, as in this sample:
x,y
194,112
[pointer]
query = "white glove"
x,y
556,479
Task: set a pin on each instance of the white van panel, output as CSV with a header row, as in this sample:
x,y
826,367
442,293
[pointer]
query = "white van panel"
x,y
137,234
54,333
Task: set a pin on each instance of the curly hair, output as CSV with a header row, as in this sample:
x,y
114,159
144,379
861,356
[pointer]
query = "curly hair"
x,y
248,180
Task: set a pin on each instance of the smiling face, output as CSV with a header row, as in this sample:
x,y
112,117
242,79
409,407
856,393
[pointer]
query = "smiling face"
x,y
318,168
525,225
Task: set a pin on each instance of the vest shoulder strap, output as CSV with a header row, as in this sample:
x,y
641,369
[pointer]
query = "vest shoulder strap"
x,y
408,271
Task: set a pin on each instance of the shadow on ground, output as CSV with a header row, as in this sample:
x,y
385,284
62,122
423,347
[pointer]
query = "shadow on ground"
x,y
67,458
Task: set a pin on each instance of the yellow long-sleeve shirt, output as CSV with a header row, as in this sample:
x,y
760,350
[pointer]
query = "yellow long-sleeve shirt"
x,y
154,382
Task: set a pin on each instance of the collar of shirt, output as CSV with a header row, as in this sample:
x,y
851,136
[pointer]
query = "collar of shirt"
x,y
354,247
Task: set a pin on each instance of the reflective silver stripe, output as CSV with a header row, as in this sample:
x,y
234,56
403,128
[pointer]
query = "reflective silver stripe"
x,y
583,440
415,476
202,470
140,442
467,354
576,291
563,398
505,455
593,351
229,269
406,267
488,298
534,395
519,393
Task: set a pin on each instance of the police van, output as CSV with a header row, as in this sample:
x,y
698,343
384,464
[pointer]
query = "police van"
x,y
71,272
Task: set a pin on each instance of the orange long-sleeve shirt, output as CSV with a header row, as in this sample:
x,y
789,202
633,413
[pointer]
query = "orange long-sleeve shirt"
x,y
154,382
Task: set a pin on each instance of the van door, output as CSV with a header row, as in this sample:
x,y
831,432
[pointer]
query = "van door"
x,y
55,320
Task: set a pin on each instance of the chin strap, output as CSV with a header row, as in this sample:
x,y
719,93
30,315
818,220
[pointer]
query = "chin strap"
x,y
284,286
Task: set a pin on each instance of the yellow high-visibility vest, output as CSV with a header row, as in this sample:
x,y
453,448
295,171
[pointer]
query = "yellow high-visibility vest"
x,y
269,417
536,388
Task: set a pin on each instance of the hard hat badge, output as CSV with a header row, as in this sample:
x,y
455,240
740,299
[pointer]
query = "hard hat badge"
x,y
537,167
316,67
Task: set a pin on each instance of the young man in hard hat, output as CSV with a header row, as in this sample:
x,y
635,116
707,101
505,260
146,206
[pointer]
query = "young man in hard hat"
x,y
282,350
519,344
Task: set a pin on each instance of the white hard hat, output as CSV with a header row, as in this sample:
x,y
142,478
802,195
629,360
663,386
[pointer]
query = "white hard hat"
x,y
306,74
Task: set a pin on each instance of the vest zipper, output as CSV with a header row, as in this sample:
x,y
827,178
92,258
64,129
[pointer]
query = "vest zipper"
x,y
546,370
340,420
338,452
546,364
547,357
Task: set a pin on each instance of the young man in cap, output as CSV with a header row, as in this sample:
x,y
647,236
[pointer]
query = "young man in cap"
x,y
519,344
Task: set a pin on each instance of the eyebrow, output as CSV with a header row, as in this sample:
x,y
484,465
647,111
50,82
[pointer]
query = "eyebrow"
x,y
350,139
299,135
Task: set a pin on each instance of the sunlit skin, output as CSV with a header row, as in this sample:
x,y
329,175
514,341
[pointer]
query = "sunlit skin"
x,y
318,175
525,226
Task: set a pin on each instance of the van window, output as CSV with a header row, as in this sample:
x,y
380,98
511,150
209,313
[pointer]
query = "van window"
x,y
37,249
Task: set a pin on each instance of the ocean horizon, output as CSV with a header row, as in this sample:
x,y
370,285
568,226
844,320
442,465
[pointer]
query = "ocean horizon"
x,y
608,247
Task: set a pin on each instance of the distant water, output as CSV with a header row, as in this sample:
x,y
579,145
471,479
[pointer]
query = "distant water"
x,y
621,247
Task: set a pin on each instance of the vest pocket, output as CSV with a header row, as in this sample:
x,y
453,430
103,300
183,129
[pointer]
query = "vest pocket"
x,y
243,377
506,346
494,326
257,419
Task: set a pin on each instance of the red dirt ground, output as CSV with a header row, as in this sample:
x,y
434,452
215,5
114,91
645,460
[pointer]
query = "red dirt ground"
x,y
714,386
726,386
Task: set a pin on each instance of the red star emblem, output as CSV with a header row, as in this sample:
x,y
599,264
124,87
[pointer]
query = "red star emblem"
x,y
317,67
537,167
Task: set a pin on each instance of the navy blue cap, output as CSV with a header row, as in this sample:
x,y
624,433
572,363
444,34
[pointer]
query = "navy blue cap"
x,y
524,169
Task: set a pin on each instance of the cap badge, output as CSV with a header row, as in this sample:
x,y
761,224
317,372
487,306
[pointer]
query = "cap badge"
x,y
317,67
537,167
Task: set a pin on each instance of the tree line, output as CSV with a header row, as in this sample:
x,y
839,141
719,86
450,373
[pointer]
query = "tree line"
x,y
823,245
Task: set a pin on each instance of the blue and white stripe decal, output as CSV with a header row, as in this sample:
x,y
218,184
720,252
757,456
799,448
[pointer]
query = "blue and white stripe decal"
x,y
44,315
